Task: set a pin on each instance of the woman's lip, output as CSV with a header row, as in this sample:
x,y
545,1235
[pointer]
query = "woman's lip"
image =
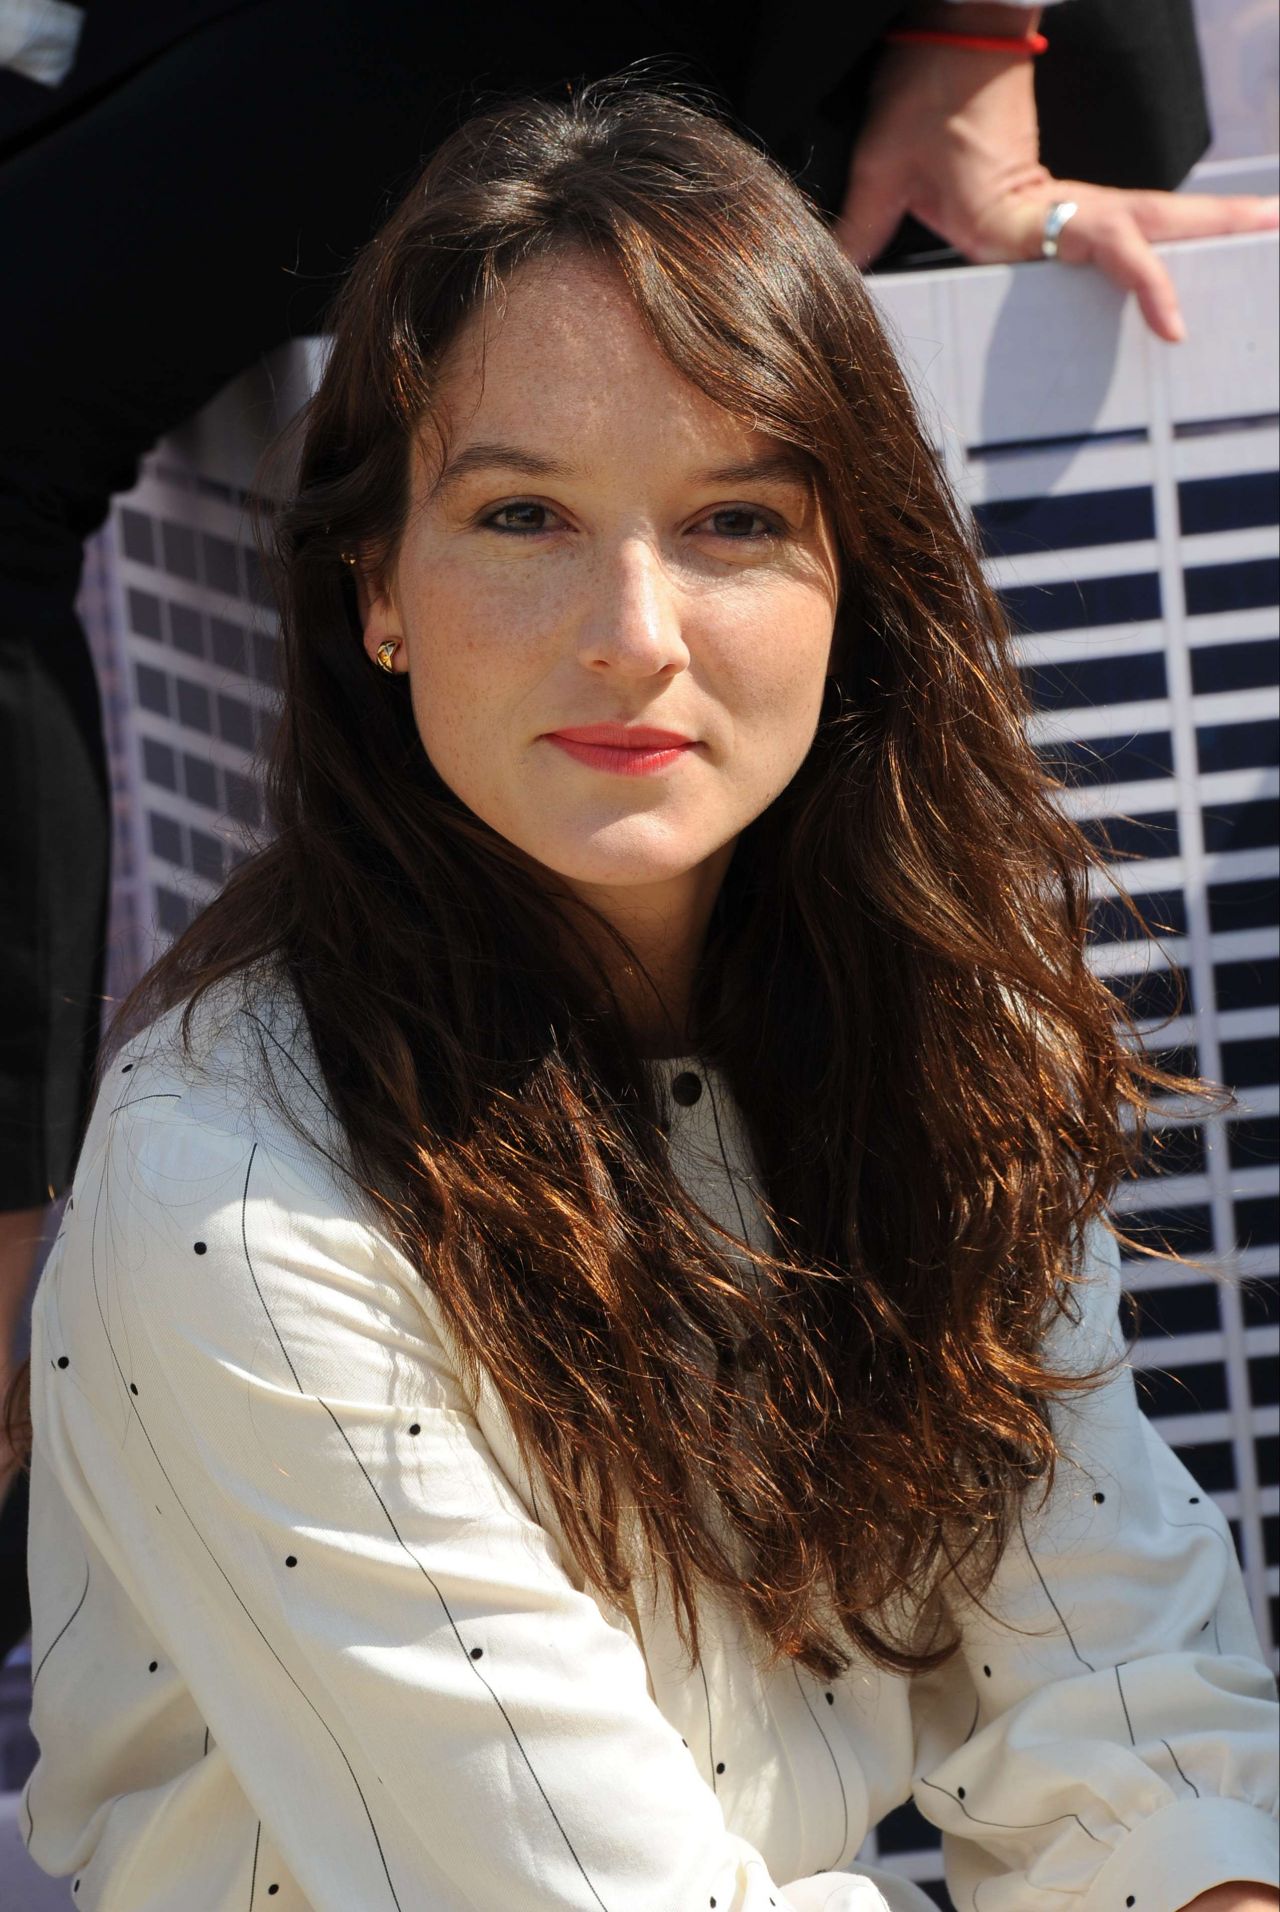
x,y
621,736
622,760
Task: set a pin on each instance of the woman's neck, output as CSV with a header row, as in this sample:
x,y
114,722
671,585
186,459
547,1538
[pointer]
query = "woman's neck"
x,y
664,926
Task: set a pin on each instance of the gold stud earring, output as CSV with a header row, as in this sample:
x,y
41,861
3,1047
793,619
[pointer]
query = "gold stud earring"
x,y
386,654
348,557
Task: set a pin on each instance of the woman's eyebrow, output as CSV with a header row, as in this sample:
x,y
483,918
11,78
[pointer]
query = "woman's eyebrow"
x,y
782,465
488,455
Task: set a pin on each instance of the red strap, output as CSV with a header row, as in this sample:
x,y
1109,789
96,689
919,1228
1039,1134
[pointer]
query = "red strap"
x,y
1026,44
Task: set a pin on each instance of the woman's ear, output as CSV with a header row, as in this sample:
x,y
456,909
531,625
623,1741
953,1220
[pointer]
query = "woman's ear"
x,y
379,614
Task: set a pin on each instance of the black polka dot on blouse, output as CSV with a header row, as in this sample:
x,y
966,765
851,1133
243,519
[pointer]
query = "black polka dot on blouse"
x,y
201,1247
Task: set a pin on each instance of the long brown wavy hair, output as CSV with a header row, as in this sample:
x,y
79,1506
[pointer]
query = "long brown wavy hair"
x,y
939,1093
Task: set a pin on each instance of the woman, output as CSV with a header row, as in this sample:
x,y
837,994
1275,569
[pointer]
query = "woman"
x,y
580,1368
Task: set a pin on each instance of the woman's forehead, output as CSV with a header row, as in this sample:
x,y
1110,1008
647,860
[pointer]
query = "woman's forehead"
x,y
565,366
564,323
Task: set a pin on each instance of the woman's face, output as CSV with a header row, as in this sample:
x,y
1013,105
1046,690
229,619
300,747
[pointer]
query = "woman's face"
x,y
606,554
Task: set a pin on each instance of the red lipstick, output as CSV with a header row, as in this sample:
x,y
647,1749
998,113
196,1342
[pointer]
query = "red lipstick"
x,y
626,750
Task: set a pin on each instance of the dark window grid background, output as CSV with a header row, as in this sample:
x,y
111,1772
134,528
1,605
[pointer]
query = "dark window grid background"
x,y
1125,757
202,709
1184,1390
212,838
1178,1319
1178,1390
1240,663
1062,683
232,794
1246,743
187,847
1232,826
1157,916
1230,501
1235,733
224,684
241,649
160,541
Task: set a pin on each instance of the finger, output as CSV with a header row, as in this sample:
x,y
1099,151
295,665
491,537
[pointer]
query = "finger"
x,y
873,210
1162,216
1113,243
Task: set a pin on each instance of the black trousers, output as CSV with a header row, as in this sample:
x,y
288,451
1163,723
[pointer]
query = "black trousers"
x,y
192,197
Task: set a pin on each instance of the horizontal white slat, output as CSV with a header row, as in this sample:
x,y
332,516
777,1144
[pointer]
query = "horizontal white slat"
x,y
1228,547
1069,647
1233,627
1223,454
1099,720
1190,1430
1194,1350
1067,566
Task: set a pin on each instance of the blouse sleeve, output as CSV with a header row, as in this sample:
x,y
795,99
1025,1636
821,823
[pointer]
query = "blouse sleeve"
x,y
1106,1736
422,1707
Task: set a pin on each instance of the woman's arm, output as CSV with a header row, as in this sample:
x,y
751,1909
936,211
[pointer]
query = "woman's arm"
x,y
1108,1728
952,137
263,1434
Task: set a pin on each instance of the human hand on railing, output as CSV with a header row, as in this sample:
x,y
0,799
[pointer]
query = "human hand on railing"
x,y
951,137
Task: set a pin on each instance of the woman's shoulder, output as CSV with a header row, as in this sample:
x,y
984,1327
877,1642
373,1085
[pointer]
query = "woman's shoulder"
x,y
212,1146
238,1053
210,1221
230,1073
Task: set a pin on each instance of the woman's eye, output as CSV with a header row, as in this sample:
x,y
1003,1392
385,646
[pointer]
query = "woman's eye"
x,y
742,524
519,517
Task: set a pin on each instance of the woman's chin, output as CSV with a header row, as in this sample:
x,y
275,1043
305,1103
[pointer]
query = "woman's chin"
x,y
593,867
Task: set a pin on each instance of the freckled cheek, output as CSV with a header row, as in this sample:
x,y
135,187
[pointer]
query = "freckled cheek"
x,y
768,672
479,651
467,625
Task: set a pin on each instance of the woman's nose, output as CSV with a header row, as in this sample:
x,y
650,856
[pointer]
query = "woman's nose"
x,y
633,620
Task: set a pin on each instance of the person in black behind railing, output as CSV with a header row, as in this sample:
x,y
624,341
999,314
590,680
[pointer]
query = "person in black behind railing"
x,y
181,188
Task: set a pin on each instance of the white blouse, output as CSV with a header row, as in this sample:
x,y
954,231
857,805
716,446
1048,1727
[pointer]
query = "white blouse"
x,y
305,1637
